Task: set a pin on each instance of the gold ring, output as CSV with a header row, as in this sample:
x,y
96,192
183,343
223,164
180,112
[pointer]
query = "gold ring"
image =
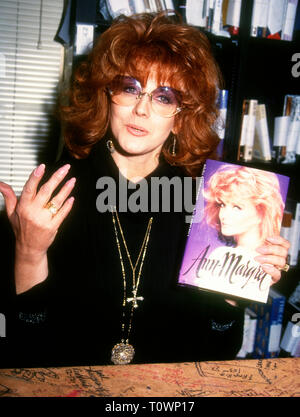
x,y
285,268
52,208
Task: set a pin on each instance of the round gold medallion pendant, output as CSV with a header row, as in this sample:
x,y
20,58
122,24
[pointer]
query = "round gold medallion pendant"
x,y
122,354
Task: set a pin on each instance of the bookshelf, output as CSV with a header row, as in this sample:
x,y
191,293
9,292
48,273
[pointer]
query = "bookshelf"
x,y
253,68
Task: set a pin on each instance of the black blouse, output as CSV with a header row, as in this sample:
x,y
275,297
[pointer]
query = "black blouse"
x,y
74,317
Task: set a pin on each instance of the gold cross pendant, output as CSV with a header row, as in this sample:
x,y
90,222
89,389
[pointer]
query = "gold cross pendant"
x,y
134,299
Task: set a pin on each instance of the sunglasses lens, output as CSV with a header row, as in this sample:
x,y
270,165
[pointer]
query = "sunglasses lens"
x,y
165,101
126,90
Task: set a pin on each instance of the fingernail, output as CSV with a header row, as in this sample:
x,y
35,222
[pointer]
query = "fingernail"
x,y
267,265
62,171
262,249
260,259
38,172
272,239
71,182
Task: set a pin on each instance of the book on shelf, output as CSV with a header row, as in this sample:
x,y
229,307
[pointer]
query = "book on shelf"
x,y
255,141
269,325
129,7
286,227
246,141
290,341
250,323
220,17
281,127
232,16
273,19
262,143
276,12
290,229
294,298
221,122
227,227
291,110
294,237
289,18
259,20
196,12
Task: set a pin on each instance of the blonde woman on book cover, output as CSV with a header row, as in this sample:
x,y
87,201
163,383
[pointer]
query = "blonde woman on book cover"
x,y
84,285
245,206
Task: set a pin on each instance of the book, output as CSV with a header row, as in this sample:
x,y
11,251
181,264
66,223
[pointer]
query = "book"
x,y
236,208
221,122
286,228
196,13
129,7
269,325
281,127
262,144
250,323
294,298
289,20
276,13
217,20
232,15
290,338
246,140
259,20
291,109
294,237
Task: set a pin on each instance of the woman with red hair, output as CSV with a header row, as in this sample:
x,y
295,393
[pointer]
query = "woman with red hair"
x,y
96,285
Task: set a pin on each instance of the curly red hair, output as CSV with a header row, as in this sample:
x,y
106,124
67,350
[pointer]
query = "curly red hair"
x,y
182,58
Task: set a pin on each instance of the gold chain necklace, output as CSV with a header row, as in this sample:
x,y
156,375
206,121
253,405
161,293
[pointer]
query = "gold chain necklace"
x,y
123,352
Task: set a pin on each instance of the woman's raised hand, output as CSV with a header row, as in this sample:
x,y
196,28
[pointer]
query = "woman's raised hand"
x,y
35,222
273,256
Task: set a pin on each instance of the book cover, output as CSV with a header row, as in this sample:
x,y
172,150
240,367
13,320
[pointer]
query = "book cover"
x,y
236,209
269,325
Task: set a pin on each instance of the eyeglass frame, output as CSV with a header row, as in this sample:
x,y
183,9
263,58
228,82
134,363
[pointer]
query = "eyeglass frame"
x,y
141,94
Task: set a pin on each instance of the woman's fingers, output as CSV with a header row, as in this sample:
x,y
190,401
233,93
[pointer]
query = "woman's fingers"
x,y
30,187
62,212
273,256
9,197
274,253
45,192
60,205
279,240
63,194
273,271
